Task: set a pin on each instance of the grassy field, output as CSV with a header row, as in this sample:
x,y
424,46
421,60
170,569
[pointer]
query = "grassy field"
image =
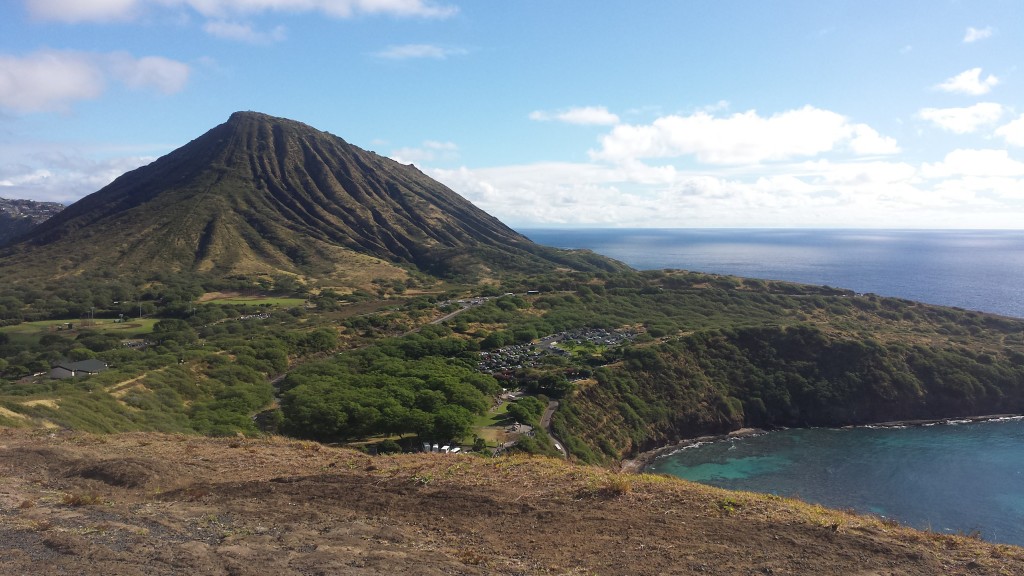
x,y
253,300
36,329
491,426
495,417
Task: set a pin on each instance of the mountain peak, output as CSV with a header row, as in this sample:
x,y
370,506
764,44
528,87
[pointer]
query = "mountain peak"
x,y
249,117
266,195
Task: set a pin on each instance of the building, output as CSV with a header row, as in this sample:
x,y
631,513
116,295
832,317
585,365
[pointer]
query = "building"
x,y
73,369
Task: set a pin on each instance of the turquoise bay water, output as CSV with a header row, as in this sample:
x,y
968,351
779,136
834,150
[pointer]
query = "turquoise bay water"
x,y
949,478
953,478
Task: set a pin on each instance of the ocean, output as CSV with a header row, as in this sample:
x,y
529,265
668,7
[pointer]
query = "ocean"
x,y
956,477
973,269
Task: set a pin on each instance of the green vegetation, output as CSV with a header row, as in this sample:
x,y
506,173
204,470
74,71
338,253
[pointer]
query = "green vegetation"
x,y
401,386
710,354
527,410
207,373
707,354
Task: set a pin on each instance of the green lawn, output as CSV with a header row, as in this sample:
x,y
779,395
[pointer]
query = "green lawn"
x,y
495,418
40,327
491,426
586,349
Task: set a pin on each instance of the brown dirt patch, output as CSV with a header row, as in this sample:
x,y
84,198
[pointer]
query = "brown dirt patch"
x,y
161,504
211,296
129,472
48,402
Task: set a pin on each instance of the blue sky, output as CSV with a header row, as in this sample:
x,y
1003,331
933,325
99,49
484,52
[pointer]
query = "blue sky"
x,y
746,113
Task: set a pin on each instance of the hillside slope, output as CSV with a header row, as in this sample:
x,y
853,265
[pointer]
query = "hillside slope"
x,y
158,504
266,195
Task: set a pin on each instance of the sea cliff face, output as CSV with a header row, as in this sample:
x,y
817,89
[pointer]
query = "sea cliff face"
x,y
722,380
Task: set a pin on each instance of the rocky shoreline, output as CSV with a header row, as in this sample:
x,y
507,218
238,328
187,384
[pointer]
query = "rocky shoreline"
x,y
637,464
641,461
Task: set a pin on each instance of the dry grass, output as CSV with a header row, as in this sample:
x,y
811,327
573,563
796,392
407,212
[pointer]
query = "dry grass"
x,y
81,499
655,518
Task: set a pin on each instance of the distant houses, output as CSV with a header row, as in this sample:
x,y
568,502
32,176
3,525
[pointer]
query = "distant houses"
x,y
81,368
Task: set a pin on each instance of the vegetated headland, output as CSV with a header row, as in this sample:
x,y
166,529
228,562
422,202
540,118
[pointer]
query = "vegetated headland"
x,y
269,279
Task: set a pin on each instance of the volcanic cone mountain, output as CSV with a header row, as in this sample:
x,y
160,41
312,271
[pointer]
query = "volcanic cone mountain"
x,y
265,195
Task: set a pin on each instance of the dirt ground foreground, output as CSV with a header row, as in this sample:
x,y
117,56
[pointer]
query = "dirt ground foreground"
x,y
139,503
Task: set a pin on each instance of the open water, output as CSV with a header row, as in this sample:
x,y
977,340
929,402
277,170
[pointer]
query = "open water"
x,y
959,477
977,270
951,478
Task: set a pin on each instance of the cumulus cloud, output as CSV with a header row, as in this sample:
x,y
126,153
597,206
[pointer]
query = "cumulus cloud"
x,y
335,8
62,178
53,80
866,141
743,138
429,151
981,163
805,167
963,120
74,11
826,172
974,34
585,115
417,51
84,11
969,82
48,80
811,193
1013,132
243,32
161,74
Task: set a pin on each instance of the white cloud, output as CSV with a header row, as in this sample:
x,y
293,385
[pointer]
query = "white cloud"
x,y
65,177
73,11
162,74
816,193
83,10
743,138
854,173
970,82
1013,132
981,163
48,80
980,189
429,151
585,115
242,32
336,8
414,51
866,141
963,120
974,34
52,80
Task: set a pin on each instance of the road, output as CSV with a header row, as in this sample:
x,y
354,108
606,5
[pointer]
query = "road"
x,y
545,423
451,315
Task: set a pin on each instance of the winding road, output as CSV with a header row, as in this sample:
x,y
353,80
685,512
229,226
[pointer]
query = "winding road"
x,y
545,423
